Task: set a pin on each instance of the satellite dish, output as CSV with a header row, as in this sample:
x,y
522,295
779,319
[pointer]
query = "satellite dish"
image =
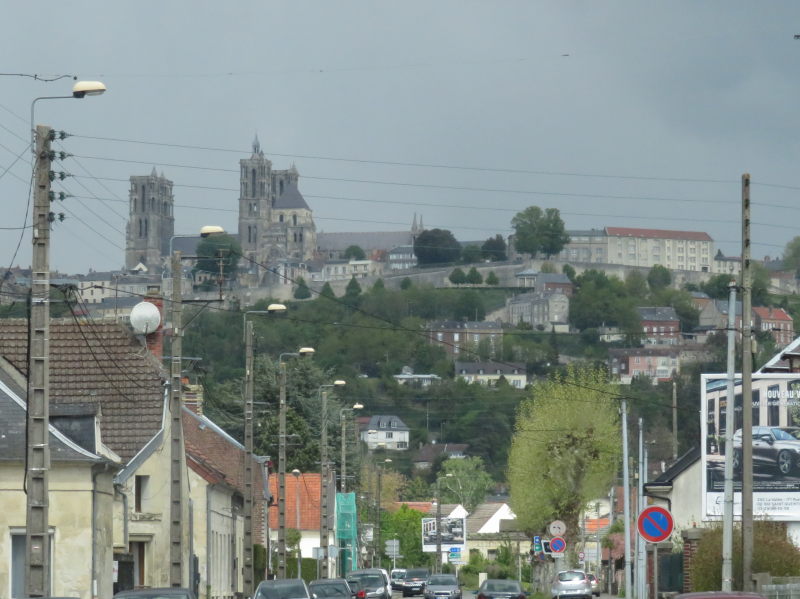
x,y
145,318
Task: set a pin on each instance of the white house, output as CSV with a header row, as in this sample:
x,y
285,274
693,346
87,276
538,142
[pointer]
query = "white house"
x,y
388,432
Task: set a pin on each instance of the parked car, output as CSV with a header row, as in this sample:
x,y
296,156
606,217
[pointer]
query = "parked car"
x,y
571,583
289,588
374,582
442,586
497,588
397,575
414,583
331,588
595,584
719,595
156,593
773,446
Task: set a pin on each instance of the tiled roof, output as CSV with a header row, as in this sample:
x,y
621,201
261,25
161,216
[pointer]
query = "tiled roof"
x,y
291,199
490,367
662,313
428,452
99,363
366,241
771,313
308,485
658,234
387,423
426,507
13,443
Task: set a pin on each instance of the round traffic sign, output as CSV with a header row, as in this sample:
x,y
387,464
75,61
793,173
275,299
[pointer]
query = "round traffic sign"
x,y
557,545
557,528
581,556
655,524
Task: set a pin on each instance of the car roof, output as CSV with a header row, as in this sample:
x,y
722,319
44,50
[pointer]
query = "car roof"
x,y
176,591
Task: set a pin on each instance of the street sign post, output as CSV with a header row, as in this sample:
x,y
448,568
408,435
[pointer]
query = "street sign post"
x,y
454,555
655,524
582,557
392,547
557,528
558,545
537,544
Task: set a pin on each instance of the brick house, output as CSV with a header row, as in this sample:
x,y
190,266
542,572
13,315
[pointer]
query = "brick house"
x,y
660,325
777,322
458,336
658,363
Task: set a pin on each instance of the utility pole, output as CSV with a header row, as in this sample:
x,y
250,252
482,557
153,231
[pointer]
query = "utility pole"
x,y
343,482
323,525
674,417
730,405
378,519
626,487
37,533
641,547
176,430
282,472
747,395
248,461
438,527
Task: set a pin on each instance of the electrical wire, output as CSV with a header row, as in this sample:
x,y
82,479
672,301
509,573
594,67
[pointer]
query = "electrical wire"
x,y
22,231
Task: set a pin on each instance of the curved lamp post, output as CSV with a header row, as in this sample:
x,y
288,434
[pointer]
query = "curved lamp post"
x,y
37,534
343,419
324,533
248,574
302,352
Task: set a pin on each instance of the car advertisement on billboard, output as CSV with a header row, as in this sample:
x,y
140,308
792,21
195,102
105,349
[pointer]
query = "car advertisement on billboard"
x,y
775,407
453,534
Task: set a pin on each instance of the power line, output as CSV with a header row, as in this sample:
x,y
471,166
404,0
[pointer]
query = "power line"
x,y
431,165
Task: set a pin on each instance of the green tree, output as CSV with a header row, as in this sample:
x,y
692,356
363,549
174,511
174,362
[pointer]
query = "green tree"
x,y
353,290
659,277
538,231
327,291
457,277
406,284
569,271
602,300
354,252
216,249
494,249
463,481
470,254
565,451
378,286
436,246
717,286
636,285
474,277
405,525
791,255
491,279
301,291
547,267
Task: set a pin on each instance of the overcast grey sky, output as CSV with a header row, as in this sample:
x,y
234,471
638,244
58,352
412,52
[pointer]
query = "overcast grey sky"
x,y
619,113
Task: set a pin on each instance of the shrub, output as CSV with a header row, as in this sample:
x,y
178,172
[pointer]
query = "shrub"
x,y
776,554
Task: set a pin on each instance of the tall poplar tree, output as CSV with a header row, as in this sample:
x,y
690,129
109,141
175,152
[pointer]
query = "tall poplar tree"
x,y
566,449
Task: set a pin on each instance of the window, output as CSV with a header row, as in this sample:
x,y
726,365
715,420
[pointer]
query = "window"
x,y
140,484
294,219
389,435
280,218
456,337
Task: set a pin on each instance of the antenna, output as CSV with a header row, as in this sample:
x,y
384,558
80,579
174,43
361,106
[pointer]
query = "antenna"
x,y
145,318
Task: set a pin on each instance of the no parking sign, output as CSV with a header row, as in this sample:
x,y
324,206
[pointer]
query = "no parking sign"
x,y
655,524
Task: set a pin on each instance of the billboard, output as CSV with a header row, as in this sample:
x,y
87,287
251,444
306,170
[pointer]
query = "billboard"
x,y
775,406
454,534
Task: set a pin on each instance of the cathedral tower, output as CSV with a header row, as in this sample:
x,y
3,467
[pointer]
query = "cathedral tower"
x,y
256,196
151,222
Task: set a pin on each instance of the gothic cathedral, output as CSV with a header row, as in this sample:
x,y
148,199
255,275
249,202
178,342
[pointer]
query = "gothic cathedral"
x,y
151,222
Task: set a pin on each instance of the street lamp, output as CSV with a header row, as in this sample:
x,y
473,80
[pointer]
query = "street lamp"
x,y
296,474
302,352
37,461
356,406
378,507
248,444
324,474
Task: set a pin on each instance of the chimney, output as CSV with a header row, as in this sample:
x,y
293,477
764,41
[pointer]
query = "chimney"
x,y
155,340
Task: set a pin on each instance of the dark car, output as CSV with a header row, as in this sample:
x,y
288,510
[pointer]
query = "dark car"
x,y
773,446
414,582
498,588
719,595
442,586
331,588
157,593
398,576
289,588
572,584
370,583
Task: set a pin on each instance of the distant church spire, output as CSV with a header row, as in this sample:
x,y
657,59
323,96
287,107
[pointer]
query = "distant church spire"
x,y
256,145
414,224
